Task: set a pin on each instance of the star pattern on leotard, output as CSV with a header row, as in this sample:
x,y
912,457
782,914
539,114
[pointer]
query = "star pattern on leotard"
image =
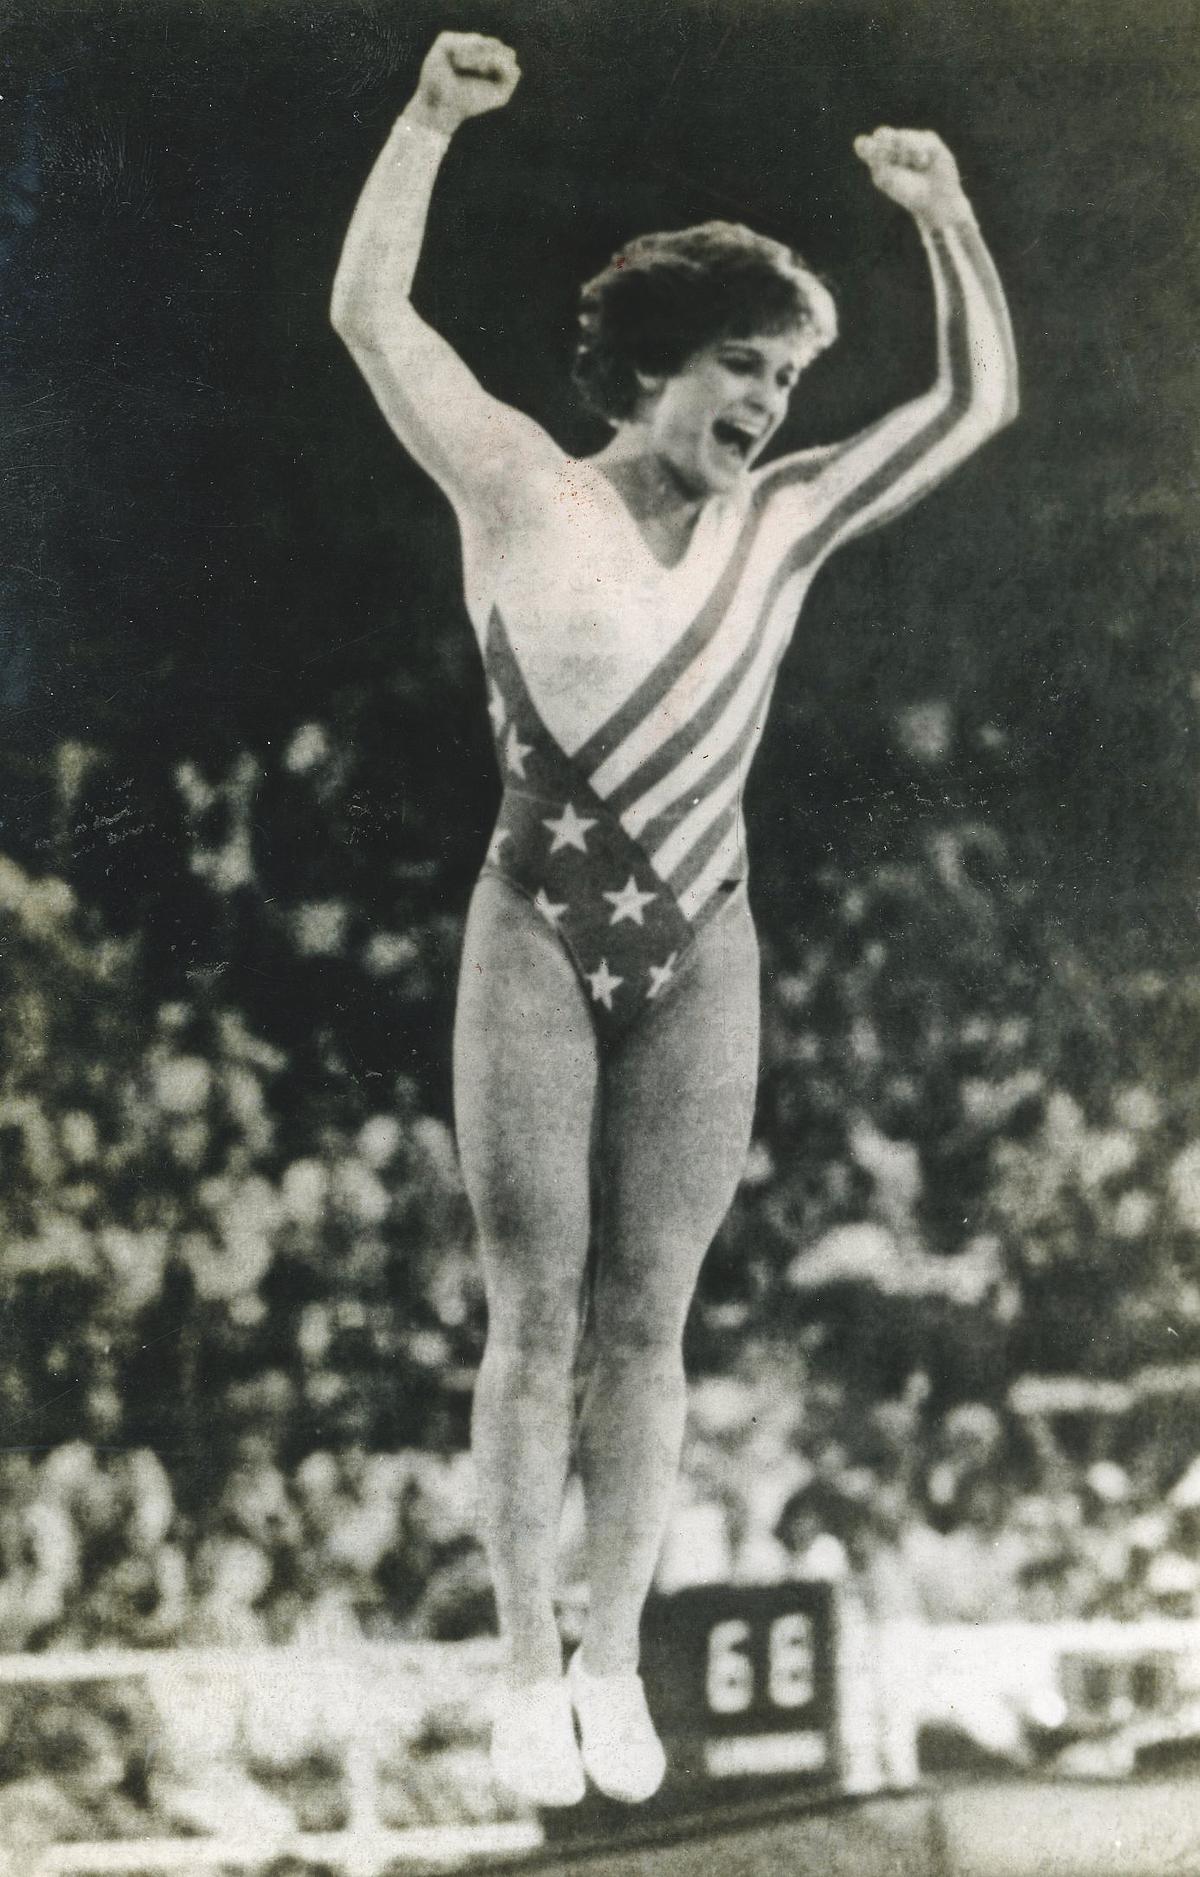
x,y
661,976
584,878
569,829
603,984
550,912
515,752
630,903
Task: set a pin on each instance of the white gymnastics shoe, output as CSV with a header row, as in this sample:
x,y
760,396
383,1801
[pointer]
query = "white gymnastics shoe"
x,y
534,1753
621,1751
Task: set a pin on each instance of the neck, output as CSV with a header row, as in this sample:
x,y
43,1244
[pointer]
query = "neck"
x,y
651,486
663,507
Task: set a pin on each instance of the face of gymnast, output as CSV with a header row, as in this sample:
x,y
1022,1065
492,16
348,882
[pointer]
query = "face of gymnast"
x,y
708,422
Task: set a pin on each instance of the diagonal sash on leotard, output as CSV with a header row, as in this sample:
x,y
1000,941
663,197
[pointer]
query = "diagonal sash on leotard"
x,y
624,912
564,848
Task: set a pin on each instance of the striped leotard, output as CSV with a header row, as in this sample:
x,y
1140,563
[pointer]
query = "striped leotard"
x,y
624,829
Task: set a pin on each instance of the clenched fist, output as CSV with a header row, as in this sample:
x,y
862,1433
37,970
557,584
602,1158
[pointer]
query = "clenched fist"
x,y
464,75
915,169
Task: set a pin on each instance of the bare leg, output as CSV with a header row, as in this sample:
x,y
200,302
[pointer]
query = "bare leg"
x,y
525,1087
677,1111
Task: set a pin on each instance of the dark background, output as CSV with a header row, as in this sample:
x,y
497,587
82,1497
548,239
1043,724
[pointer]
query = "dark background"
x,y
212,536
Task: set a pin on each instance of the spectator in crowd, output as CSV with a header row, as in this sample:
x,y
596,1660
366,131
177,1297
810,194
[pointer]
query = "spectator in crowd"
x,y
39,1557
969,1573
230,1579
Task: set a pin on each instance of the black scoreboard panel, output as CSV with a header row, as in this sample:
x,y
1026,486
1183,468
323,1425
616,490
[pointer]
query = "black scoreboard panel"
x,y
740,1681
741,1684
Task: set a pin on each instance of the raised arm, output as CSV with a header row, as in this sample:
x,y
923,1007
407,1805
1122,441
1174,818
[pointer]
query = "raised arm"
x,y
876,475
476,448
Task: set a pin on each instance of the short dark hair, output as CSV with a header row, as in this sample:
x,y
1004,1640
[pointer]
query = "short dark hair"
x,y
665,296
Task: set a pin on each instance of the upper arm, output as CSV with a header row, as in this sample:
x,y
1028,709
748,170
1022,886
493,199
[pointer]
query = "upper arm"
x,y
882,471
482,454
819,498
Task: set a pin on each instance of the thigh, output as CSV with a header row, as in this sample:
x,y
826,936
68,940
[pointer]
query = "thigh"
x,y
677,1111
525,1073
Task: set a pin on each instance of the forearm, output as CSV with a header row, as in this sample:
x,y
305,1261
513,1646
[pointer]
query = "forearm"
x,y
977,362
878,475
383,243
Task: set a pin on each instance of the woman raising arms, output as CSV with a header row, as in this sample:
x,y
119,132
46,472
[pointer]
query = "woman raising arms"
x,y
631,610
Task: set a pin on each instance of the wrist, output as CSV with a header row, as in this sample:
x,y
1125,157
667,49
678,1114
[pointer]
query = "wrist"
x,y
953,211
419,115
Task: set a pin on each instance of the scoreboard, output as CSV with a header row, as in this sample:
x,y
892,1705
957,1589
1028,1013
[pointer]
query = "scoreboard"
x,y
740,1681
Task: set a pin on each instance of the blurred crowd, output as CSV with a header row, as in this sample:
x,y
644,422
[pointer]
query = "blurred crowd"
x,y
973,1517
977,1517
95,1553
243,1315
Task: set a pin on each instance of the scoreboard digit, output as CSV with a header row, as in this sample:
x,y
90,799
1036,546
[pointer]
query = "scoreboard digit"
x,y
729,1674
791,1680
790,1670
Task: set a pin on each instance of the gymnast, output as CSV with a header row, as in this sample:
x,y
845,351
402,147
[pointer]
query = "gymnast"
x,y
631,609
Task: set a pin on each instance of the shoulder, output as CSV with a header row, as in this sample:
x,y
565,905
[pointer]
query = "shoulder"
x,y
517,480
799,477
544,491
517,463
530,533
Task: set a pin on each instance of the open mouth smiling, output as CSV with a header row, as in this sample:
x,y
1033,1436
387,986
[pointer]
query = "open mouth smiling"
x,y
734,436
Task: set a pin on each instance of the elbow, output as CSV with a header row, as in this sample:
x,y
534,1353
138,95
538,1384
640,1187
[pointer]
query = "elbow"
x,y
365,323
1010,380
983,419
999,419
357,333
1006,412
351,311
341,310
345,314
1001,408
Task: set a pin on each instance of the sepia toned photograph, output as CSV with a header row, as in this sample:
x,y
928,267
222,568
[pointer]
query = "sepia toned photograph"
x,y
599,989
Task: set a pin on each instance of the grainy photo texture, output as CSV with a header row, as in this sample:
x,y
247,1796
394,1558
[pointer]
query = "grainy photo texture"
x,y
600,1063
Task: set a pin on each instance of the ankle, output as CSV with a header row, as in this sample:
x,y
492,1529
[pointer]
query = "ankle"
x,y
532,1659
600,1663
531,1673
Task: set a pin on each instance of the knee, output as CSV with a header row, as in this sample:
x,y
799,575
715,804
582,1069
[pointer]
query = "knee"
x,y
534,1333
650,1337
642,1296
